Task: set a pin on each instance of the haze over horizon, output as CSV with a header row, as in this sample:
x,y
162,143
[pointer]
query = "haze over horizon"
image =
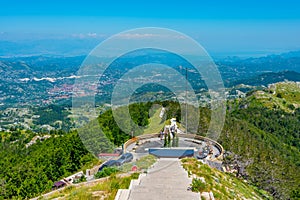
x,y
223,28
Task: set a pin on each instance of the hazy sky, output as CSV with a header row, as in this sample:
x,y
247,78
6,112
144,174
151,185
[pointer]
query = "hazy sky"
x,y
219,25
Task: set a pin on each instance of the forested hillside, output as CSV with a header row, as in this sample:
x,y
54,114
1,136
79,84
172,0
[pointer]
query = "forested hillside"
x,y
27,172
261,158
260,136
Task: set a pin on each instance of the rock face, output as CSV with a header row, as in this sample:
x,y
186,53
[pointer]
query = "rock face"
x,y
166,180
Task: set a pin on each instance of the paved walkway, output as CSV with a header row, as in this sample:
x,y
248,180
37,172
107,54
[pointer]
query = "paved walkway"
x,y
166,180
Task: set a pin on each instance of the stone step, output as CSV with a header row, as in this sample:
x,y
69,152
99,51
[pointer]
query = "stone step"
x,y
162,195
122,194
164,183
165,180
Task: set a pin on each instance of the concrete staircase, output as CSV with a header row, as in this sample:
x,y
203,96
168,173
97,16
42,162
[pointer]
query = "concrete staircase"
x,y
165,180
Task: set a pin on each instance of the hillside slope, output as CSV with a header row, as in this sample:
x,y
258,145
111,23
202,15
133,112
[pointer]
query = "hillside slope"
x,y
222,185
29,171
261,136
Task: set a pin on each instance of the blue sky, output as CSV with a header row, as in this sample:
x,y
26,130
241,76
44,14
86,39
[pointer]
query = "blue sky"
x,y
219,25
190,9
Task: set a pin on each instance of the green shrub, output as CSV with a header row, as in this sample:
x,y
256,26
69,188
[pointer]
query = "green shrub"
x,y
291,106
106,172
279,95
198,185
82,179
135,175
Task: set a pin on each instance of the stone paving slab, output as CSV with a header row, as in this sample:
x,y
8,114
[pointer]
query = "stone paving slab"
x,y
166,180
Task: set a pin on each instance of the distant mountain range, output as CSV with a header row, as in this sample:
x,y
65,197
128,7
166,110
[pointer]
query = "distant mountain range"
x,y
39,75
269,78
48,47
234,68
261,132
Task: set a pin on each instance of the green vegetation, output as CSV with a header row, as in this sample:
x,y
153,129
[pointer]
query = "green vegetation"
x,y
27,172
82,179
139,115
284,96
284,125
54,115
142,164
260,135
261,158
106,189
262,141
156,124
289,91
107,171
144,122
15,135
223,186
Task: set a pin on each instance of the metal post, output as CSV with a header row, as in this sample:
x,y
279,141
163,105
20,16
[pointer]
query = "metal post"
x,y
186,114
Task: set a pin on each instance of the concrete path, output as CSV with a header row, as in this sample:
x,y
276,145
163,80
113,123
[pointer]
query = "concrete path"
x,y
166,180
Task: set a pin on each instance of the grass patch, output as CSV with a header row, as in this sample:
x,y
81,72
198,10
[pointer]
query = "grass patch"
x,y
107,171
155,123
286,97
142,164
104,190
223,186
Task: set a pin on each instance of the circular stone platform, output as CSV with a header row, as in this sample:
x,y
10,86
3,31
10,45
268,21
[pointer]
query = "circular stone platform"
x,y
144,145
